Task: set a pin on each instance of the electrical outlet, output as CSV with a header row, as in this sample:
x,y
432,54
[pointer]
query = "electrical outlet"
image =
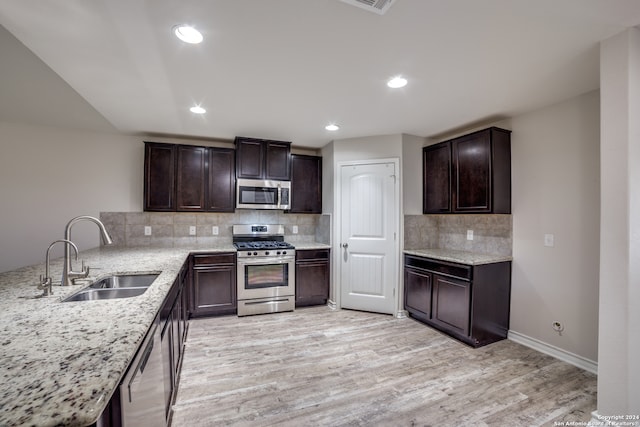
x,y
557,326
147,230
215,230
294,229
469,234
549,240
192,230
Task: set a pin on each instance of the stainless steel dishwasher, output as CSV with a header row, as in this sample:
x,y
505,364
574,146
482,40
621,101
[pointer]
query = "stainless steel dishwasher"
x,y
142,389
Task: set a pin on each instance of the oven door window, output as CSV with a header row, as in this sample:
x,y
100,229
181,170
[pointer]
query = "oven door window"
x,y
266,276
258,195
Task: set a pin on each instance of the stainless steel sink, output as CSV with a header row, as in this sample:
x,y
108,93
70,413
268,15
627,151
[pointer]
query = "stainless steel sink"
x,y
99,294
116,286
124,281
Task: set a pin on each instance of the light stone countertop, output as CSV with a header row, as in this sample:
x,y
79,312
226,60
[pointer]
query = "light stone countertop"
x,y
310,245
461,257
61,362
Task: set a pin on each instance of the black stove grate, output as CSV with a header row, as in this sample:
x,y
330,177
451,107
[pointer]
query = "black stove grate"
x,y
264,244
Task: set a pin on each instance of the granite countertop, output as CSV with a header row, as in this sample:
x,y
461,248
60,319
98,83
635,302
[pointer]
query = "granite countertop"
x,y
310,245
462,257
60,362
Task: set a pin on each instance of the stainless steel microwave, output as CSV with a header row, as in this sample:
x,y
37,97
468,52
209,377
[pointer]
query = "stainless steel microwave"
x,y
263,194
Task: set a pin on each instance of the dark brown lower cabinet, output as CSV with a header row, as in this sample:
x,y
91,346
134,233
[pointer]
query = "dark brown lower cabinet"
x,y
213,289
171,330
470,303
451,298
417,292
312,277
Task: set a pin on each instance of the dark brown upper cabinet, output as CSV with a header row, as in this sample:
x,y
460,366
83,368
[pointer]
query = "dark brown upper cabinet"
x,y
306,184
436,161
263,159
159,177
221,192
469,174
188,178
191,180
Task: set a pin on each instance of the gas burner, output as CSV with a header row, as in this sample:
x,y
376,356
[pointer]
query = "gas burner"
x,y
261,245
267,244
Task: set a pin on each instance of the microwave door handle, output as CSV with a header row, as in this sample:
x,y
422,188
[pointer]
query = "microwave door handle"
x,y
279,195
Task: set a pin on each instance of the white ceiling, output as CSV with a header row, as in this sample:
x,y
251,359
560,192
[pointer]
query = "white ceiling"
x,y
283,69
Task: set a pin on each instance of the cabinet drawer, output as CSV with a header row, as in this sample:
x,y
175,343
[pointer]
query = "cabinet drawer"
x,y
213,259
310,254
441,267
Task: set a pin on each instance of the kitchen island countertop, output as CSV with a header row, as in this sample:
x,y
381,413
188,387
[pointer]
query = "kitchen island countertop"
x,y
60,362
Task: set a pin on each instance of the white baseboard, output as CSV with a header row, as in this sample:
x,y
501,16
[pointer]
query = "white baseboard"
x,y
332,305
558,353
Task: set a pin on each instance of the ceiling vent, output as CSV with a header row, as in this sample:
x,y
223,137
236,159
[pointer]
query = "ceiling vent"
x,y
377,6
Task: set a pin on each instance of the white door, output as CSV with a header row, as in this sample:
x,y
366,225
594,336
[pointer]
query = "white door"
x,y
368,226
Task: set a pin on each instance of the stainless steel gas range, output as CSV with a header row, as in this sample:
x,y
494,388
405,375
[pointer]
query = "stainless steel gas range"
x,y
266,269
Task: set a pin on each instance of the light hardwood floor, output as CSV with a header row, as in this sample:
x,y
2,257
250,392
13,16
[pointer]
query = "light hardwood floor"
x,y
317,367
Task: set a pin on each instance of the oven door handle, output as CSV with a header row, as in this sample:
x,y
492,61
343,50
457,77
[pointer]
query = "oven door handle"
x,y
264,261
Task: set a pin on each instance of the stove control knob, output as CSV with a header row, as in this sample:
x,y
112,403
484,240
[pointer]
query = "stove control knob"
x,y
266,253
255,253
278,253
284,252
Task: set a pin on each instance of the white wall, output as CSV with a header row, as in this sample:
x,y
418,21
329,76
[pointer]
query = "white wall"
x,y
555,176
619,347
48,175
412,174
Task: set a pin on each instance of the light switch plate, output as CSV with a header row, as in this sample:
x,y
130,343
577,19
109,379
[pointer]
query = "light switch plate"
x,y
192,230
294,229
549,240
215,230
469,234
147,230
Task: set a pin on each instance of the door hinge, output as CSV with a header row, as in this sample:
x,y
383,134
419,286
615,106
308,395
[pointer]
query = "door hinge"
x,y
394,292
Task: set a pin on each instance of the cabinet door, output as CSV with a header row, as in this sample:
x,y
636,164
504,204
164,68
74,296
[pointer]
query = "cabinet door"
x,y
312,282
472,172
249,158
190,179
436,169
417,292
159,177
222,180
451,304
167,364
214,290
277,160
176,337
186,294
306,184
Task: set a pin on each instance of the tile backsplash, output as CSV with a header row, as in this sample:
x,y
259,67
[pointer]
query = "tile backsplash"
x,y
492,234
172,229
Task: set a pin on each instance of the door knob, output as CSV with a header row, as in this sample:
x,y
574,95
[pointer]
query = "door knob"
x,y
345,245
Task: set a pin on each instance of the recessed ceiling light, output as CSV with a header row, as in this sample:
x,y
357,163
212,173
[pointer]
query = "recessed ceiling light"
x,y
397,82
197,110
332,127
188,34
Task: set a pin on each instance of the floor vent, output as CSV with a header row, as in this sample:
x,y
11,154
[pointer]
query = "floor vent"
x,y
377,6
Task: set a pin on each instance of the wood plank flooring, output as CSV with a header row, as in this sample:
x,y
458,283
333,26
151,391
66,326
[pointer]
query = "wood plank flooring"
x,y
317,367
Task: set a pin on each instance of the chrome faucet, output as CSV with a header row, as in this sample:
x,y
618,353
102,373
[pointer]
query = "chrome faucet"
x,y
46,282
68,275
